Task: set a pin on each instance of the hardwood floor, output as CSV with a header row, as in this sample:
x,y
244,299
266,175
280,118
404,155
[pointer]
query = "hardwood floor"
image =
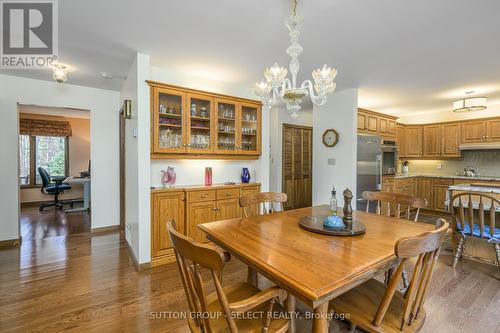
x,y
52,222
88,283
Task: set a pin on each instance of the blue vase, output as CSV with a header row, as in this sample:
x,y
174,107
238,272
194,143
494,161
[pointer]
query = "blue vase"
x,y
245,175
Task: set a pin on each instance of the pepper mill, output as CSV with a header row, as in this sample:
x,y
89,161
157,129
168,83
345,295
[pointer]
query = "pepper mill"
x,y
347,208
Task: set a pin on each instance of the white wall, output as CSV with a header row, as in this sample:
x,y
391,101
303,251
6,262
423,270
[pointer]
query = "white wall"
x,y
339,113
279,116
103,106
137,168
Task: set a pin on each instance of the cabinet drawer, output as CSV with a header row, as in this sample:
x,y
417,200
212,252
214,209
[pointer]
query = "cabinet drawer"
x,y
199,196
228,193
446,181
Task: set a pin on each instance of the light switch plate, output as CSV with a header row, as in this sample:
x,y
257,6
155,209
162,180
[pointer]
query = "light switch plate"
x,y
331,161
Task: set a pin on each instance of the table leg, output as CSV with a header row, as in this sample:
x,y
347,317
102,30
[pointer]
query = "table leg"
x,y
320,320
290,308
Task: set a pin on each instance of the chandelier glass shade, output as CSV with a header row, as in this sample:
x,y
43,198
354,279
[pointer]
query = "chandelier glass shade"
x,y
276,84
469,104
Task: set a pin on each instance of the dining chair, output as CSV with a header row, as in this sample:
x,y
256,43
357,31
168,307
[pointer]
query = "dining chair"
x,y
402,203
386,202
377,307
226,309
267,202
468,213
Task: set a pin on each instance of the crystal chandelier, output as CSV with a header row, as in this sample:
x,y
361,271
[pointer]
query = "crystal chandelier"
x,y
276,83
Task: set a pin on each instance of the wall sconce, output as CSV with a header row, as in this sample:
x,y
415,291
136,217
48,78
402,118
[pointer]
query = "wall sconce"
x,y
126,109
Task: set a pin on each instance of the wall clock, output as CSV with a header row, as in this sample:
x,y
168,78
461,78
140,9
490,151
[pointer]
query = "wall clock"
x,y
330,137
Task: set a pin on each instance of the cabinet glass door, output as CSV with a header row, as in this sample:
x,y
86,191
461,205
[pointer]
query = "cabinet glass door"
x,y
227,114
249,126
200,124
169,120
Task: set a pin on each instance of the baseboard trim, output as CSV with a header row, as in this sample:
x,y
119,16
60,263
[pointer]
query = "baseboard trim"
x,y
10,243
104,229
135,262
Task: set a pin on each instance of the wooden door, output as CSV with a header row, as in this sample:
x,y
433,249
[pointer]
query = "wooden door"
x,y
432,140
228,209
164,207
413,141
493,133
473,131
200,124
400,141
424,190
198,213
249,124
372,124
361,122
439,189
297,166
169,126
450,134
253,210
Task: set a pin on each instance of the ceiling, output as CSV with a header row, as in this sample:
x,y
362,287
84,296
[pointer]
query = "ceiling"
x,y
404,56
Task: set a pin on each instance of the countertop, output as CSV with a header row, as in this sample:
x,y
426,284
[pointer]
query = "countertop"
x,y
199,187
428,175
475,188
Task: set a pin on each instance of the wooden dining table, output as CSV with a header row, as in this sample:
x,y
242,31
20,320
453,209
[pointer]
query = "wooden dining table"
x,y
313,267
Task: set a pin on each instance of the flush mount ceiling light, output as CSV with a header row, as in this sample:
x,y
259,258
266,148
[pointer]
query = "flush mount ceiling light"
x,y
59,73
276,81
469,104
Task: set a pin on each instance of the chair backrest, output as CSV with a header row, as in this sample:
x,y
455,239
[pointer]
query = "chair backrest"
x,y
45,177
267,202
426,247
191,256
462,207
400,203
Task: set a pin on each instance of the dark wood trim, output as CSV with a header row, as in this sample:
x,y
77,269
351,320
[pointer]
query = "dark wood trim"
x,y
104,229
10,243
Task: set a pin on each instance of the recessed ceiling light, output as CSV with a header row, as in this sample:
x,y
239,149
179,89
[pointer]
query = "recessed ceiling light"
x,y
59,73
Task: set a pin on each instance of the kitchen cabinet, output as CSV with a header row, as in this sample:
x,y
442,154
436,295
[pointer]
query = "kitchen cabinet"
x,y
451,136
164,207
424,190
439,189
432,141
493,130
400,140
405,186
189,207
370,122
253,210
473,131
187,123
413,141
361,121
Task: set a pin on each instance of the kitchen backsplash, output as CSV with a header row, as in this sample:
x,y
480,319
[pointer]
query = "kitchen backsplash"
x,y
485,162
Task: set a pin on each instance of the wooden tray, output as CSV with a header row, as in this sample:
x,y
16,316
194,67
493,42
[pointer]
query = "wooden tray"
x,y
314,223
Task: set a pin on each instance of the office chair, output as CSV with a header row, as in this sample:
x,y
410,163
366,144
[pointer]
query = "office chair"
x,y
52,188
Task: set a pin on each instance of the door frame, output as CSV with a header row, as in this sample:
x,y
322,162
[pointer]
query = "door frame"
x,y
283,149
122,167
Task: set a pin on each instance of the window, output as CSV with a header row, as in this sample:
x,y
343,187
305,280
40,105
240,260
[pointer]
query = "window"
x,y
48,152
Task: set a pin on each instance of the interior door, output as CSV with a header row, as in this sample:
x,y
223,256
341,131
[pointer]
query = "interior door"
x,y
297,166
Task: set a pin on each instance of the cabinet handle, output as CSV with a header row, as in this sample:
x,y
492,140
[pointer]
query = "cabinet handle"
x,y
214,209
228,194
203,196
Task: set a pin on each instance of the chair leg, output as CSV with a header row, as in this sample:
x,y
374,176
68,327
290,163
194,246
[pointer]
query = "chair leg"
x,y
252,277
458,251
497,250
406,284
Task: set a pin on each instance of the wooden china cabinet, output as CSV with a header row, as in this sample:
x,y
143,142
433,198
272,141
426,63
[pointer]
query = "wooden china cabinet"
x,y
187,123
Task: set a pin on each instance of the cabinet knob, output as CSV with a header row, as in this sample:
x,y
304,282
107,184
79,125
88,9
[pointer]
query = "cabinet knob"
x,y
214,209
228,194
203,196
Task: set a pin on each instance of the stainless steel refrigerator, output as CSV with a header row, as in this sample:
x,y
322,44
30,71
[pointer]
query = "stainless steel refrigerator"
x,y
369,167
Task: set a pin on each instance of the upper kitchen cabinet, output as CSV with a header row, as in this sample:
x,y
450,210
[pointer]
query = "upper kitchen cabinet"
x,y
187,123
400,140
493,130
451,136
413,141
371,122
431,141
474,131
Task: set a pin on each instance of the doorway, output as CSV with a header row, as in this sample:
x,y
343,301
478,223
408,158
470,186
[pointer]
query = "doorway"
x,y
297,165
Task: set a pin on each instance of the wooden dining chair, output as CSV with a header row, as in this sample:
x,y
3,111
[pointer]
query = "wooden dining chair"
x,y
233,301
389,204
468,213
377,307
267,202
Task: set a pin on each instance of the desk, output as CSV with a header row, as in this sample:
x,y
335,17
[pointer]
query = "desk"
x,y
316,268
86,193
